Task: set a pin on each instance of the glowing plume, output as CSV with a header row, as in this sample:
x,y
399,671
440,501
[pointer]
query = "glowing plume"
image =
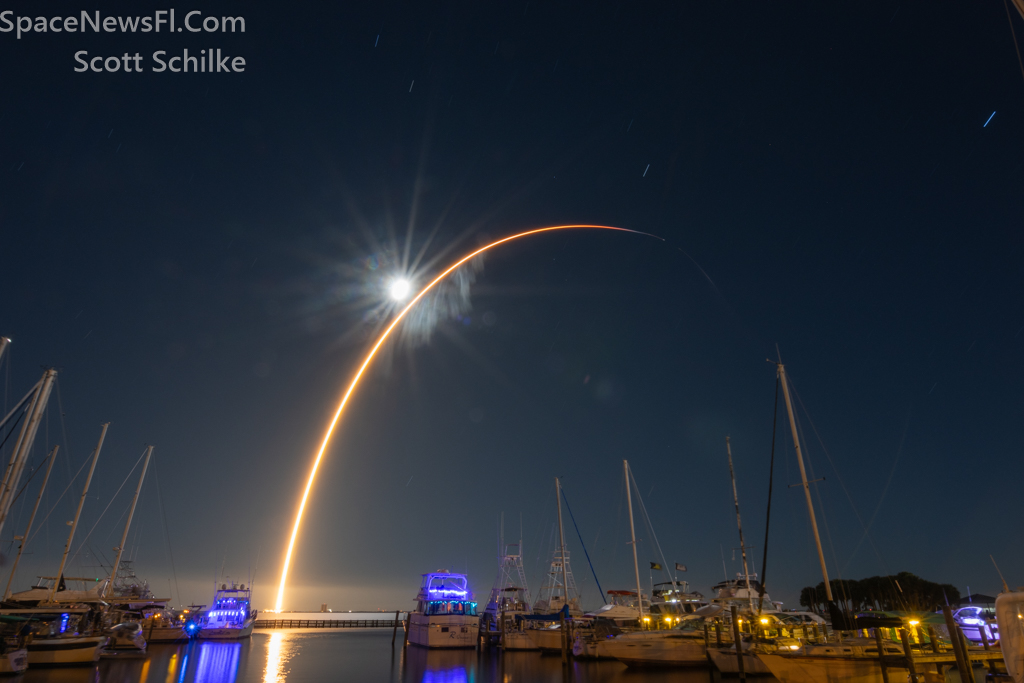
x,y
369,357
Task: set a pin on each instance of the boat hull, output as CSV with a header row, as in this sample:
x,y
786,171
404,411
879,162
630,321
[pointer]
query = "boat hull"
x,y
517,640
65,651
656,650
13,661
809,669
546,639
165,634
724,660
443,630
227,633
590,648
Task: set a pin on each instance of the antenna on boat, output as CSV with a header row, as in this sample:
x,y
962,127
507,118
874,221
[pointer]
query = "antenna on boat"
x,y
78,513
803,477
128,523
632,536
739,525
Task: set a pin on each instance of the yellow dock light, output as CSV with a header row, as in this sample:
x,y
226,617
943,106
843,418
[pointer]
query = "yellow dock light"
x,y
914,622
764,620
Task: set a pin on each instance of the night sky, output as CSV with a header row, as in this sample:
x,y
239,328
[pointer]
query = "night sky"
x,y
205,257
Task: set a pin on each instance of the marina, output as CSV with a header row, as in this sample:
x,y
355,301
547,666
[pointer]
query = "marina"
x,y
603,342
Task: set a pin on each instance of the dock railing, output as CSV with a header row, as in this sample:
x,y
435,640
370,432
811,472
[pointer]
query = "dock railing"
x,y
327,623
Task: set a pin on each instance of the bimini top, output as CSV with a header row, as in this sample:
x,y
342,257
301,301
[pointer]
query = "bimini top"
x,y
444,585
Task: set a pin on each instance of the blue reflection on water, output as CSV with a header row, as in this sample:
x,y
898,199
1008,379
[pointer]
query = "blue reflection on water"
x,y
453,675
218,662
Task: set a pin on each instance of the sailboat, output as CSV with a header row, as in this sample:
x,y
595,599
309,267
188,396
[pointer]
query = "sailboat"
x,y
67,635
853,660
739,593
682,644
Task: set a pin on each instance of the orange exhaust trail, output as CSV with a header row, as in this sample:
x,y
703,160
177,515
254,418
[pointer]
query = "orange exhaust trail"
x,y
369,357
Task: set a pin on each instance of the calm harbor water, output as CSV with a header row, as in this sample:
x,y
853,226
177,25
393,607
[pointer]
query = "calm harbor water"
x,y
305,656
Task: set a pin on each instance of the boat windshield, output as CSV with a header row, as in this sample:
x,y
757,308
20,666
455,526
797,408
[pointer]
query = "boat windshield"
x,y
451,607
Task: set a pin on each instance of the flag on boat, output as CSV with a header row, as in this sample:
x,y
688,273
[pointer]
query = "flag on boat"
x,y
655,565
680,567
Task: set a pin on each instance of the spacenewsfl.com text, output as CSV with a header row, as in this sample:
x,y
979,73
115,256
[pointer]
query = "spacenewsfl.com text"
x,y
209,60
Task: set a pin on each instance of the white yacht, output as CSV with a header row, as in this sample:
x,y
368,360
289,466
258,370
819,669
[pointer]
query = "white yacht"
x,y
445,615
682,645
230,616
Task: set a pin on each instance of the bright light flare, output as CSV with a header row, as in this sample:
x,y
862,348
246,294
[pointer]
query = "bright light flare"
x,y
373,351
400,289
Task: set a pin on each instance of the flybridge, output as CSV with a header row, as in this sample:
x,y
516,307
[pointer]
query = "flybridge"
x,y
159,21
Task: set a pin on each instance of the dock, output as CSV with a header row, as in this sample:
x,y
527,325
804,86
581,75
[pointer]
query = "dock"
x,y
327,623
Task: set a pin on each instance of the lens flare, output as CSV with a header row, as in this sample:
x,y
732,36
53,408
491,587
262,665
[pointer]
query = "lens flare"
x,y
373,351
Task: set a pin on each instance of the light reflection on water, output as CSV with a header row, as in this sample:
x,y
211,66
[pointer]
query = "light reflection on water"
x,y
218,662
311,656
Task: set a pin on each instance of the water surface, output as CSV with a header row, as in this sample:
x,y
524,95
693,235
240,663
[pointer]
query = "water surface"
x,y
312,656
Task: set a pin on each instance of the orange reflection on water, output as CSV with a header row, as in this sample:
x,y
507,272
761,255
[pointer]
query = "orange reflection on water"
x,y
278,653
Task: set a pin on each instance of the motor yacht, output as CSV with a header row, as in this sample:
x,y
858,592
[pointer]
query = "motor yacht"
x,y
445,615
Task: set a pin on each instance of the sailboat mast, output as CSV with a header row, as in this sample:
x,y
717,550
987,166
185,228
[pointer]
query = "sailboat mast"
x,y
4,341
561,541
78,512
803,480
31,519
127,524
632,537
23,446
739,525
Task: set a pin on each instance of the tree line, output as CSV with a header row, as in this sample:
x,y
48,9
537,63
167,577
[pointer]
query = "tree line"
x,y
904,592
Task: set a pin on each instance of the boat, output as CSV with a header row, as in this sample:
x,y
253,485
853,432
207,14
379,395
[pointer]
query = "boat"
x,y
559,599
65,650
445,615
13,661
853,660
164,625
229,616
724,659
973,619
679,646
126,637
509,601
674,599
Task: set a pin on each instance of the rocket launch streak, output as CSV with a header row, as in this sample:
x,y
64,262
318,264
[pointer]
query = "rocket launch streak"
x,y
369,357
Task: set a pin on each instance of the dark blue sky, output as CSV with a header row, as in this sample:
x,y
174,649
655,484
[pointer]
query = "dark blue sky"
x,y
194,253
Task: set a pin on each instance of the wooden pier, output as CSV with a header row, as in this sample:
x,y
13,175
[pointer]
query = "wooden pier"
x,y
328,623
